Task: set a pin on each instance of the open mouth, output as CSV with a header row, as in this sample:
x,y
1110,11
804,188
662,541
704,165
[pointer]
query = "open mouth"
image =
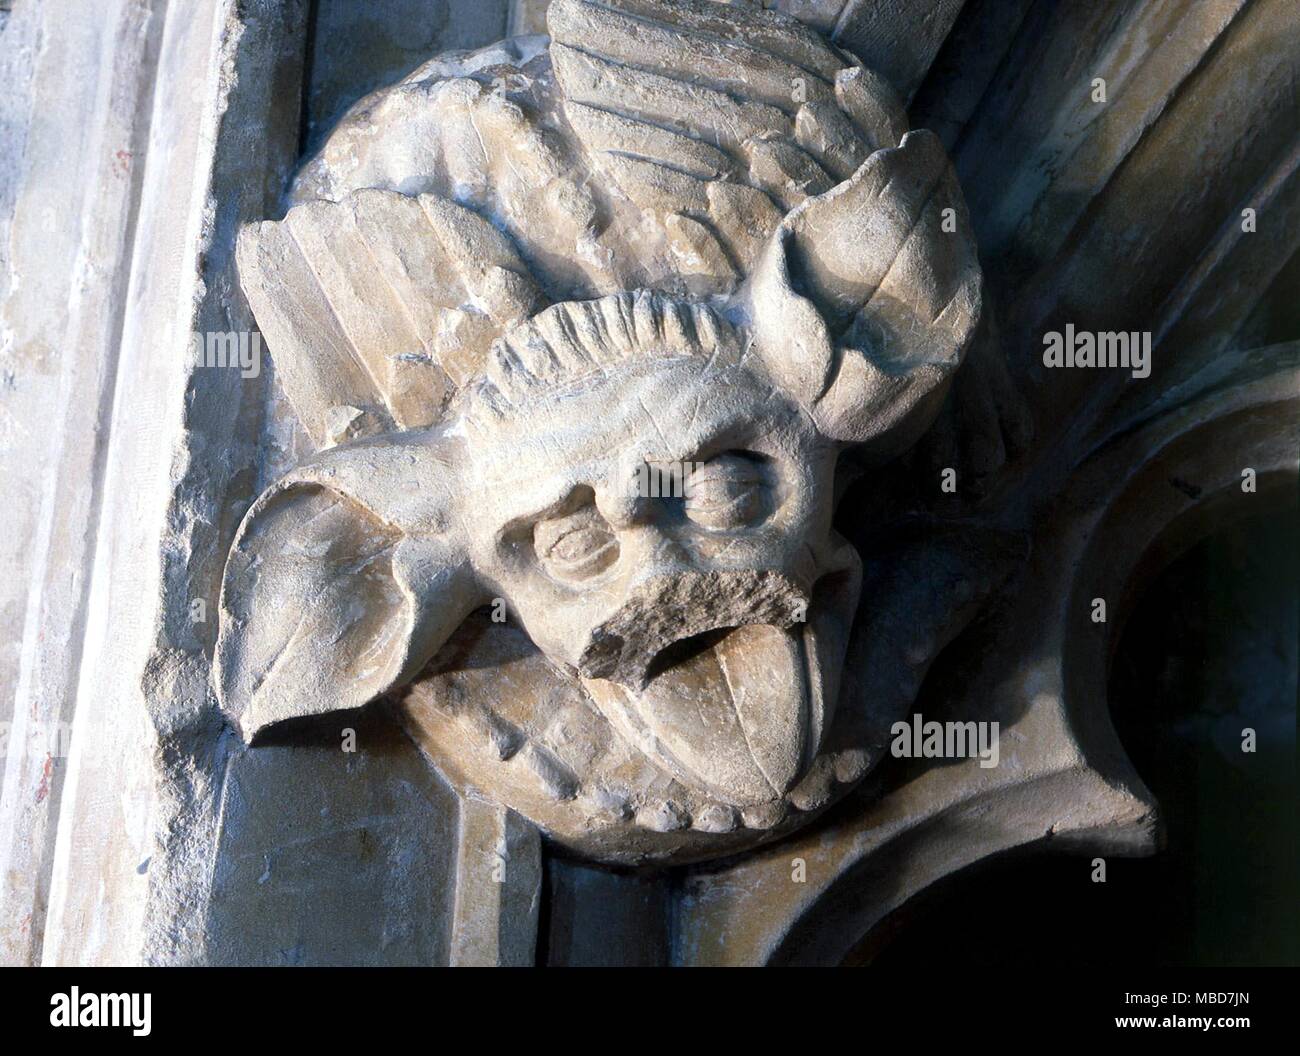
x,y
740,712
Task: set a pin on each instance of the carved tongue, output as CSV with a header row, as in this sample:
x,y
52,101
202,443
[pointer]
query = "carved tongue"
x,y
732,717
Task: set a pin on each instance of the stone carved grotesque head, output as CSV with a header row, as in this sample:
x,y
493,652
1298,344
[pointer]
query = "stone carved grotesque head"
x,y
675,235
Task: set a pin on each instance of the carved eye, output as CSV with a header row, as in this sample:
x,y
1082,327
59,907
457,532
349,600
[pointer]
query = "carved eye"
x,y
727,492
577,545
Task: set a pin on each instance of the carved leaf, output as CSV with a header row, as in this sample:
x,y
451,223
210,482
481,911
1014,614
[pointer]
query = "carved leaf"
x,y
888,260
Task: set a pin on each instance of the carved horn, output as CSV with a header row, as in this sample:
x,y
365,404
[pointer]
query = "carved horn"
x,y
867,296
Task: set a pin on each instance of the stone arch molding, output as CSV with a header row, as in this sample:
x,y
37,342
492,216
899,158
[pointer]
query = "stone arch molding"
x,y
1114,524
674,234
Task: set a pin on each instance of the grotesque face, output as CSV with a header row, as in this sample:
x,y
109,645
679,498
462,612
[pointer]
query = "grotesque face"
x,y
578,390
676,555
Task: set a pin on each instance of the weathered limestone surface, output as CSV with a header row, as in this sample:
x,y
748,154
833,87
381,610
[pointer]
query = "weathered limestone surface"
x,y
358,47
462,662
71,181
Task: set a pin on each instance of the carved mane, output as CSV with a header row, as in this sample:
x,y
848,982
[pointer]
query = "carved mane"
x,y
576,338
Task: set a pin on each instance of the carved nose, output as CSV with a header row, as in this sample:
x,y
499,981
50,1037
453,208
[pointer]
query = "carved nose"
x,y
667,609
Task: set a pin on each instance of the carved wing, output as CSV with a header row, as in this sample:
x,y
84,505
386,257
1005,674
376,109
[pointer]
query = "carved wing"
x,y
379,307
714,121
664,145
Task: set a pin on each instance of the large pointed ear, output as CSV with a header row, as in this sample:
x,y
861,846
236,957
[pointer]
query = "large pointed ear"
x,y
343,581
867,297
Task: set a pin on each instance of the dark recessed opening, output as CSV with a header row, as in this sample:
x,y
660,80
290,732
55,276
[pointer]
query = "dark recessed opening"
x,y
1209,650
685,649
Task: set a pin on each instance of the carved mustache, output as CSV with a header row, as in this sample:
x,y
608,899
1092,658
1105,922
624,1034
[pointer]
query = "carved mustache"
x,y
626,647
